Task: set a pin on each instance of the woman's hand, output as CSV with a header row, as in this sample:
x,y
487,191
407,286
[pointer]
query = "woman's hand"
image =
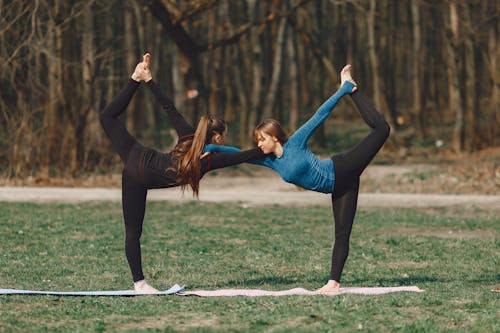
x,y
142,71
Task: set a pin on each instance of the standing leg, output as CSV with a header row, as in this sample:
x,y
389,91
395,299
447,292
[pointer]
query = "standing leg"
x,y
134,206
344,204
344,209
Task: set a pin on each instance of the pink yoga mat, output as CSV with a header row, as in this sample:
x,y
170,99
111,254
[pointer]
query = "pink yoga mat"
x,y
297,291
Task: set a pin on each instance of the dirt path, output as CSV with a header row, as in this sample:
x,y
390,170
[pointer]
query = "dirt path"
x,y
251,191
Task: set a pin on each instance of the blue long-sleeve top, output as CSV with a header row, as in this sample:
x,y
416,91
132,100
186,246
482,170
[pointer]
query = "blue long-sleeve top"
x,y
298,165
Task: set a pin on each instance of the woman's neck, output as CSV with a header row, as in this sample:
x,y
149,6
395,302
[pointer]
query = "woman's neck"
x,y
278,150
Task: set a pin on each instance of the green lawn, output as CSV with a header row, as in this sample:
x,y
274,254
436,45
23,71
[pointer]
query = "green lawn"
x,y
452,254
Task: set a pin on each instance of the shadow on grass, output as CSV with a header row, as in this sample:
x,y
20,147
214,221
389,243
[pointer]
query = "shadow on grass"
x,y
400,281
271,280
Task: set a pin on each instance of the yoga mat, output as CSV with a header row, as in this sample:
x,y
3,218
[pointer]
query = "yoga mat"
x,y
174,289
297,291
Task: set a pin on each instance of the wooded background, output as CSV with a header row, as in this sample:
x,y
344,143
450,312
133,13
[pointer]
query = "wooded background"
x,y
430,66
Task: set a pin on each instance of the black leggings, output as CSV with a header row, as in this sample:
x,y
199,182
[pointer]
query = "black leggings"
x,y
133,192
146,168
348,168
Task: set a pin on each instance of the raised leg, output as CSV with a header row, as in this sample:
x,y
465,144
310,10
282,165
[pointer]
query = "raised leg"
x,y
356,159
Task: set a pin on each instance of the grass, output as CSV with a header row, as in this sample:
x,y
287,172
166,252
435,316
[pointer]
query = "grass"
x,y
452,255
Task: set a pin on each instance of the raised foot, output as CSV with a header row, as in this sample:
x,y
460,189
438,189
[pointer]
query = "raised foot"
x,y
332,287
345,75
142,71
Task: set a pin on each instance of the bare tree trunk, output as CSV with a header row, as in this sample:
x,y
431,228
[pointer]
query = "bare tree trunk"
x,y
88,91
471,105
227,79
393,64
276,75
54,63
292,81
418,111
315,48
453,82
158,73
110,81
212,66
131,59
305,95
179,68
351,36
142,107
493,56
244,136
71,103
256,68
377,99
323,88
186,46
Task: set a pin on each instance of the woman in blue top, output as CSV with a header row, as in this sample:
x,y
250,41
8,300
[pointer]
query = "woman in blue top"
x,y
339,175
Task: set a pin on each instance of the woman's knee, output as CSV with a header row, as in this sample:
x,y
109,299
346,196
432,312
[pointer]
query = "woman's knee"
x,y
385,129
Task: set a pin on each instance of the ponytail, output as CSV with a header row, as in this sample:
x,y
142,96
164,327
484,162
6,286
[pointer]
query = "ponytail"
x,y
186,155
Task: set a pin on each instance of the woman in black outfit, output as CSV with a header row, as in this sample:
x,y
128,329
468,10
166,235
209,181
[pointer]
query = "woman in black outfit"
x,y
146,168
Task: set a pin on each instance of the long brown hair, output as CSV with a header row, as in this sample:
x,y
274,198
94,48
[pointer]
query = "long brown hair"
x,y
271,127
186,155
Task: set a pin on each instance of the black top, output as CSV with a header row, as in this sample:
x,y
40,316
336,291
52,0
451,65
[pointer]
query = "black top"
x,y
153,166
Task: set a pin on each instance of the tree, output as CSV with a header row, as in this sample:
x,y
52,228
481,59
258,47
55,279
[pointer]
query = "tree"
x,y
452,34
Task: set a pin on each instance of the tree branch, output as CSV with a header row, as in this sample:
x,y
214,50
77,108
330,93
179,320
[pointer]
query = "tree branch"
x,y
314,47
244,28
193,8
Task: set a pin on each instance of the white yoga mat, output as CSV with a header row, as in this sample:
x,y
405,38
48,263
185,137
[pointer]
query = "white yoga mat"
x,y
174,289
297,291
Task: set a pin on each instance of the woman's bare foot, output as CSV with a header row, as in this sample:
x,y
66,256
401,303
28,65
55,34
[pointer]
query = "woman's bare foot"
x,y
345,75
143,288
332,287
142,71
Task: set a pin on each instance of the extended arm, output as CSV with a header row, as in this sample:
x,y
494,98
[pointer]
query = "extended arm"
x,y
305,131
262,159
214,148
180,124
221,160
120,102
